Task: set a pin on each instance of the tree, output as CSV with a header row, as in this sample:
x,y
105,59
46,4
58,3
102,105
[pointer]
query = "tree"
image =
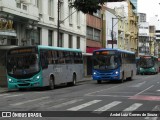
x,y
90,6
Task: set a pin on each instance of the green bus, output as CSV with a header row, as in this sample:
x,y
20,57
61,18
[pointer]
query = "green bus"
x,y
3,74
148,65
40,66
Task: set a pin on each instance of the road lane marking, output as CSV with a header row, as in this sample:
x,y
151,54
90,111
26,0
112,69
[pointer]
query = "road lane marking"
x,y
13,96
65,103
28,101
144,90
138,84
106,107
4,95
133,107
158,90
83,105
156,109
109,95
102,90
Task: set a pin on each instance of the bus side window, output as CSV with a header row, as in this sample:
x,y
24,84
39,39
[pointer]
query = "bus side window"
x,y
44,61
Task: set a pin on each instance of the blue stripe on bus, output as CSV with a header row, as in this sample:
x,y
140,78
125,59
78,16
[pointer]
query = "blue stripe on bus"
x,y
119,50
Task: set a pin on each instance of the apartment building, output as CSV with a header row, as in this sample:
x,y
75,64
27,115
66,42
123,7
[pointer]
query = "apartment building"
x,y
131,34
34,22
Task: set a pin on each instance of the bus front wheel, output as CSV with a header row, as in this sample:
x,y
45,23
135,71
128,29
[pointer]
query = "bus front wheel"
x,y
99,81
122,79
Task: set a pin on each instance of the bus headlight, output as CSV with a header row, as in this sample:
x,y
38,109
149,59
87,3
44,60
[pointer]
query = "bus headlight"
x,y
38,77
94,73
116,72
152,68
10,80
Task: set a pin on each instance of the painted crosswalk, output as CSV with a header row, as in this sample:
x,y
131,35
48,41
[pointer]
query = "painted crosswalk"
x,y
83,105
108,106
96,106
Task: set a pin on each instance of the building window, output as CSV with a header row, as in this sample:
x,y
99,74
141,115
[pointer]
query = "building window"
x,y
89,33
78,18
97,35
78,43
70,16
39,5
50,32
70,41
61,10
50,8
34,36
60,41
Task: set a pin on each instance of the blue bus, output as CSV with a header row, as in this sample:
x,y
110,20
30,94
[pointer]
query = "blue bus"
x,y
113,64
39,66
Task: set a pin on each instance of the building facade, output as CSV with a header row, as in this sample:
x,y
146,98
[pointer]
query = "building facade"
x,y
152,39
93,38
34,22
131,26
111,29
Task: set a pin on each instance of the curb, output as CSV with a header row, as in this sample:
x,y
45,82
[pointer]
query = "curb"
x,y
3,89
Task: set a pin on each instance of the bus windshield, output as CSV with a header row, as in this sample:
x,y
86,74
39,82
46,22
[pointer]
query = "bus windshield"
x,y
106,62
20,65
146,62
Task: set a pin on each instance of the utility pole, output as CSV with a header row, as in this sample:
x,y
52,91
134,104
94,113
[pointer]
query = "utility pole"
x,y
58,23
112,32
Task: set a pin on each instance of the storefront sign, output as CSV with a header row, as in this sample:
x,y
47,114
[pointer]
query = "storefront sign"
x,y
6,24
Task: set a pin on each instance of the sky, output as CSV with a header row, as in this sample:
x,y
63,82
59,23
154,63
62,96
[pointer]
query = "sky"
x,y
150,7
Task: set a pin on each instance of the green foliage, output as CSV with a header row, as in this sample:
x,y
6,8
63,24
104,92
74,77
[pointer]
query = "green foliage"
x,y
87,6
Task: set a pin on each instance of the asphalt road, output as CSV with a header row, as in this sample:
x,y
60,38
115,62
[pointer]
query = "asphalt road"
x,y
89,100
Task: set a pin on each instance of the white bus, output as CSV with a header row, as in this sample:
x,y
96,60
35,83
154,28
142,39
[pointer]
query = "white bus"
x,y
39,66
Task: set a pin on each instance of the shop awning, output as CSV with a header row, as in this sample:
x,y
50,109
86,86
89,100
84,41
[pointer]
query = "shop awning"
x,y
8,33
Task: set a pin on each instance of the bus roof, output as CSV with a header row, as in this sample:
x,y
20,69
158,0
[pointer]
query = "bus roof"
x,y
50,48
120,50
58,48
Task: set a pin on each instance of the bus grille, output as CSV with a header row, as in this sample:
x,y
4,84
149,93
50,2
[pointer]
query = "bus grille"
x,y
104,74
24,81
27,84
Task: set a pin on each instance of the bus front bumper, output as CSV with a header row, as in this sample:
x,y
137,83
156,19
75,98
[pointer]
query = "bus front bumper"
x,y
24,85
113,77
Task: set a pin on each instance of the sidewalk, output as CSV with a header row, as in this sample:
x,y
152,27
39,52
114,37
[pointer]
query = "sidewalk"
x,y
87,78
3,89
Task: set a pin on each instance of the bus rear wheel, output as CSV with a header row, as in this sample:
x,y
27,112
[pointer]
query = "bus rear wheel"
x,y
74,80
99,81
51,83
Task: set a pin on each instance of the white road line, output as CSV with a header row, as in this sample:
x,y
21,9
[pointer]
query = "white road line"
x,y
106,107
83,105
102,90
4,95
138,84
13,96
28,101
158,90
144,90
65,103
133,107
156,109
110,95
